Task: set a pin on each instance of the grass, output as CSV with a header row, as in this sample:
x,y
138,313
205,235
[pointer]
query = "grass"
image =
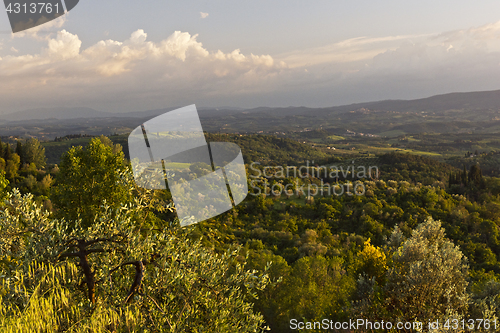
x,y
177,166
336,137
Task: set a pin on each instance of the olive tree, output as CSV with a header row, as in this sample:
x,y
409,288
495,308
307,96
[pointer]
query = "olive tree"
x,y
429,275
113,276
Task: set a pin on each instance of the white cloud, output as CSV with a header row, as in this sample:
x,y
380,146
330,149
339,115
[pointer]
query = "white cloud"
x,y
64,46
176,69
350,50
136,73
203,15
403,66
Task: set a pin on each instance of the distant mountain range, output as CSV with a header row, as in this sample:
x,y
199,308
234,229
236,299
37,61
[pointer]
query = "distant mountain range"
x,y
83,112
481,100
478,100
57,113
447,113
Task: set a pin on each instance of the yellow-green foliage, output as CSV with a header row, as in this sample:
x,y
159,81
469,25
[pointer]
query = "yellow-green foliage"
x,y
184,287
373,261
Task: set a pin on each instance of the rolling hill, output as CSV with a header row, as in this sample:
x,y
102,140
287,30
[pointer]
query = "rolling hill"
x,y
468,112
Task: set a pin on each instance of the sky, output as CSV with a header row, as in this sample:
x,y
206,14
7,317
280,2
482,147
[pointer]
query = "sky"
x,y
129,55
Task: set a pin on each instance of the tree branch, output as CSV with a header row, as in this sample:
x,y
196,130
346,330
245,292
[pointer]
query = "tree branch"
x,y
139,275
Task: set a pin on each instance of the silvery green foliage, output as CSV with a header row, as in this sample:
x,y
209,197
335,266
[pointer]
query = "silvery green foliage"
x,y
450,321
26,231
486,303
453,322
396,238
184,287
429,275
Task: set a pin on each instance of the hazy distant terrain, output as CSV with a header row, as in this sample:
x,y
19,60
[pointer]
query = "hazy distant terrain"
x,y
82,112
472,112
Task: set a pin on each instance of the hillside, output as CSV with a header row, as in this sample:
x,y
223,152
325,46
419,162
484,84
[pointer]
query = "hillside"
x,y
264,149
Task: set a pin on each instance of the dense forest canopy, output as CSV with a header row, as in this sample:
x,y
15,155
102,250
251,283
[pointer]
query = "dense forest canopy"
x,y
82,248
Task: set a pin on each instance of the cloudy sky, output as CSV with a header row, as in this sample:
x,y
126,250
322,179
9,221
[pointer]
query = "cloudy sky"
x,y
129,55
